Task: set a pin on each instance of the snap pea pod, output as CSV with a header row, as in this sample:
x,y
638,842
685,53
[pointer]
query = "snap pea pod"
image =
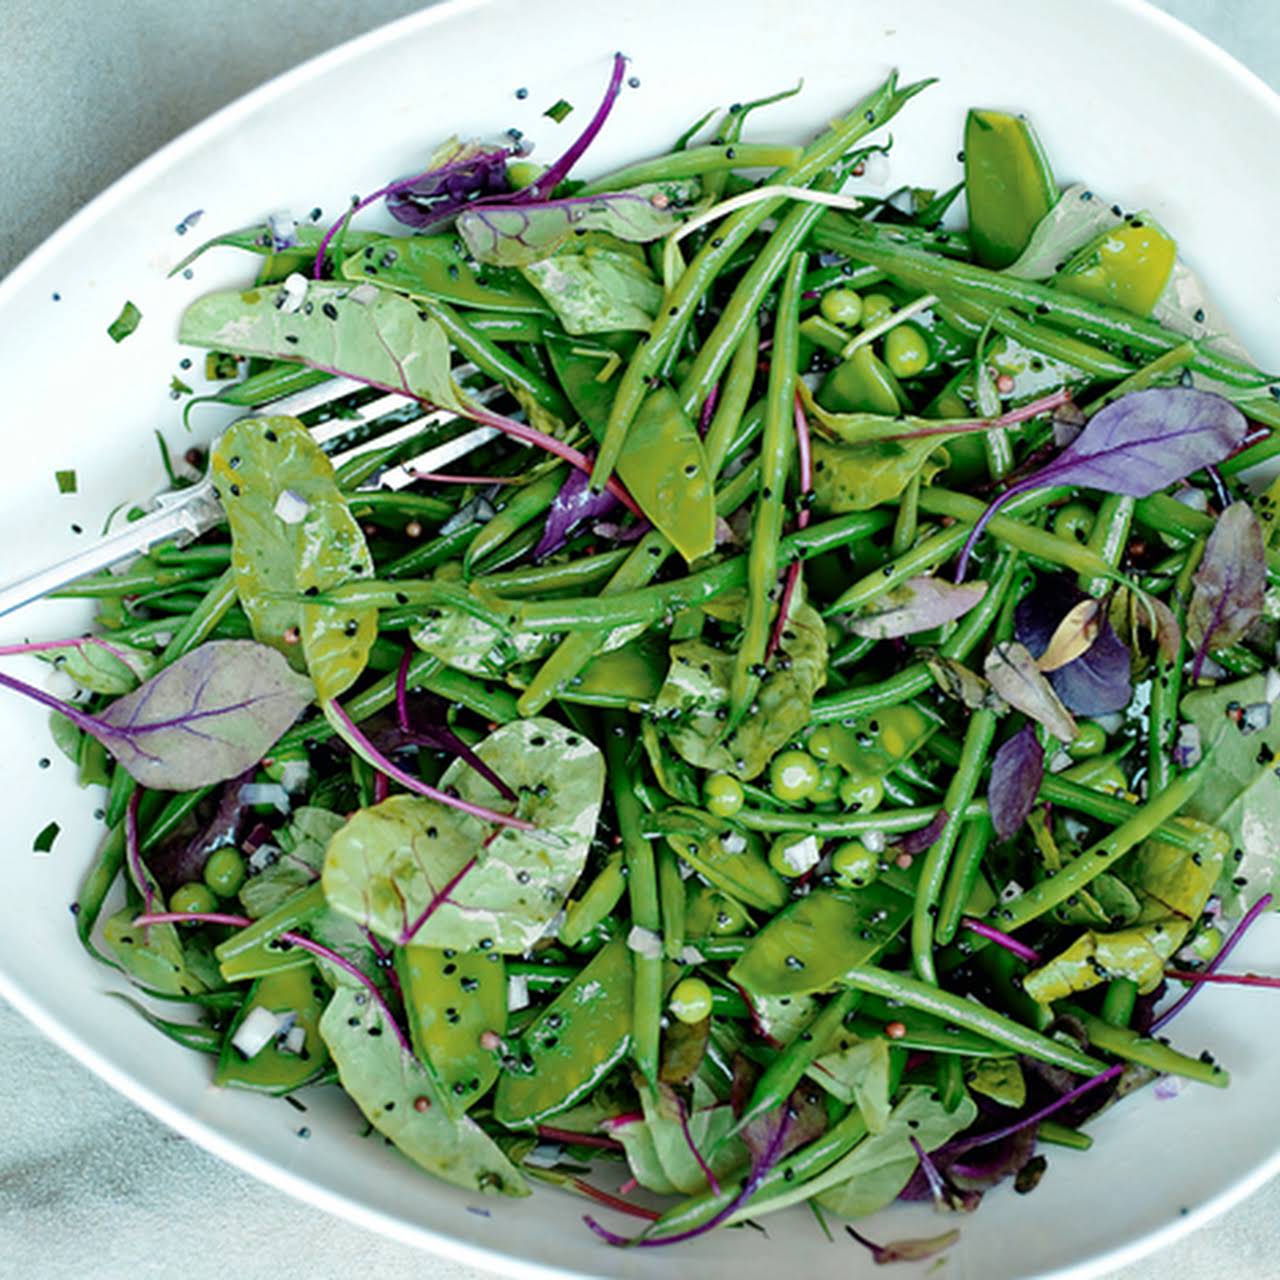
x,y
777,448
1118,1002
694,162
596,902
929,998
1128,1045
873,111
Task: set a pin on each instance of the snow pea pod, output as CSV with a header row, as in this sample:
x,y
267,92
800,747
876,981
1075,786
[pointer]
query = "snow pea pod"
x,y
1126,266
452,999
301,993
596,901
253,952
573,1044
1008,184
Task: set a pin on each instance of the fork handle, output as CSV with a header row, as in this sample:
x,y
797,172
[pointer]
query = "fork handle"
x,y
190,512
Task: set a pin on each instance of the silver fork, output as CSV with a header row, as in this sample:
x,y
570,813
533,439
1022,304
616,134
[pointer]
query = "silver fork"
x,y
184,514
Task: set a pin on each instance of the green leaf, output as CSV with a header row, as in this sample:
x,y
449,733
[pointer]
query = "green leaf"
x,y
876,1170
386,1083
453,998
858,1073
518,235
113,670
1241,788
807,947
857,477
43,843
150,954
434,268
709,1122
697,688
303,841
387,868
292,534
597,285
466,642
734,862
999,1079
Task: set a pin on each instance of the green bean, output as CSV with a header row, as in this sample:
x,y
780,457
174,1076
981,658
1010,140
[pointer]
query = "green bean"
x,y
777,449
444,547
1061,1136
284,378
1166,691
642,895
131,582
671,900
416,506
718,948
906,522
525,504
1118,1001
963,875
952,1090
734,396
1109,538
833,825
1148,375
1083,869
506,326
216,556
960,791
1175,519
874,110
920,558
568,576
487,356
1120,1042
693,163
596,902
928,998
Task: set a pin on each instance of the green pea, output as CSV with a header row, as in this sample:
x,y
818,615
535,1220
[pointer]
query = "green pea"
x,y
822,742
793,775
690,1000
842,307
794,854
194,897
875,307
723,795
1090,741
860,793
905,351
830,780
1074,522
224,872
855,864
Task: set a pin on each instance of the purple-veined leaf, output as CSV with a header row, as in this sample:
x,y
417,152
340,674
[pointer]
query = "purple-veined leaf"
x,y
572,506
1229,584
468,171
181,859
1013,674
514,235
1072,636
1095,683
207,717
917,605
1016,774
1135,446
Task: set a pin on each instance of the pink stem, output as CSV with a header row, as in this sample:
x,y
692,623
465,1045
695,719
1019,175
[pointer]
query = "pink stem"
x,y
614,1202
441,477
1205,974
1226,979
436,902
133,853
1002,939
402,688
683,1112
408,781
569,1138
43,646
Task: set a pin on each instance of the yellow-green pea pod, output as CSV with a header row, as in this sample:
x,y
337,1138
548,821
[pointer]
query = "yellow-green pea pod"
x,y
574,1044
862,384
633,673
736,864
597,901
905,351
254,952
879,741
842,307
1008,184
276,1069
1099,773
453,999
1127,267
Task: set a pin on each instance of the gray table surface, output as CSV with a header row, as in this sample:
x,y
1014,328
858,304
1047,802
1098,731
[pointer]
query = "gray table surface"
x,y
90,1186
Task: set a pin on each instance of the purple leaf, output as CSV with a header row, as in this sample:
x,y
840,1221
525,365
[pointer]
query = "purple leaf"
x,y
574,504
1097,682
1229,584
181,860
1016,774
919,840
440,194
798,1120
917,605
1135,446
427,726
207,717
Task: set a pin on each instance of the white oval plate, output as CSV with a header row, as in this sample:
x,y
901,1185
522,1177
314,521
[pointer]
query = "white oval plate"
x,y
1123,97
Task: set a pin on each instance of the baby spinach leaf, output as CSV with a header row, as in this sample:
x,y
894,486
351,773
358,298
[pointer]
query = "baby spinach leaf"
x,y
636,1135
292,534
412,869
516,235
708,1122
917,605
111,669
470,643
1230,583
596,284
387,1084
858,1073
857,477
1017,770
150,954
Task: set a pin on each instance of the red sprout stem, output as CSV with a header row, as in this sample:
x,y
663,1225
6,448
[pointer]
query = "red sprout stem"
x,y
392,770
614,1202
1002,939
402,688
937,1186
411,930
381,787
1225,979
193,917
569,1138
444,477
43,646
708,409
1206,974
385,960
998,1135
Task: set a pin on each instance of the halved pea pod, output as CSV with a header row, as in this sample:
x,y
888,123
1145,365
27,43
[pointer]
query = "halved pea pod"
x,y
1008,184
301,992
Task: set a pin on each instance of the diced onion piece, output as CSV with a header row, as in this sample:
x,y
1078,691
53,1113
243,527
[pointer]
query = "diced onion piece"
x,y
644,942
295,1039
517,992
293,293
291,507
802,855
259,1028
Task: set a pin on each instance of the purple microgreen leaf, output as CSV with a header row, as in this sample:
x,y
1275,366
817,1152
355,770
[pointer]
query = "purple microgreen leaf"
x,y
181,860
1013,675
576,503
919,840
1132,612
1072,636
205,718
1016,774
917,605
1097,682
906,1250
1230,584
1135,446
472,172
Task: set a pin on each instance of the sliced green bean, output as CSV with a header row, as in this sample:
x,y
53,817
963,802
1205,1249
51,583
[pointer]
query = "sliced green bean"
x,y
693,163
1120,1042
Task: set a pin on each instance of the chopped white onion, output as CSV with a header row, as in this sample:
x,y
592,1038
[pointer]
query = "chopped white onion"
x,y
734,842
644,942
875,169
802,855
1012,890
546,1155
291,507
293,293
258,1029
1272,687
517,992
264,856
295,1039
294,775
271,793
873,841
691,955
